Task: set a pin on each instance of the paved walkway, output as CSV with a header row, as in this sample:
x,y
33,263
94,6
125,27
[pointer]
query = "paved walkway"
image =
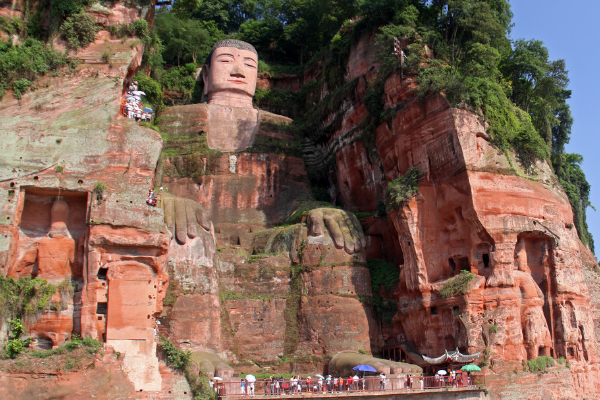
x,y
476,391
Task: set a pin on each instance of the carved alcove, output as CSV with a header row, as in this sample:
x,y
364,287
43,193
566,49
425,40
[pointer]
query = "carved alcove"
x,y
35,223
50,244
534,255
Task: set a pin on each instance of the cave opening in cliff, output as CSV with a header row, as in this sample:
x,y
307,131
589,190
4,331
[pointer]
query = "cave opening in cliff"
x,y
452,266
486,260
102,308
103,274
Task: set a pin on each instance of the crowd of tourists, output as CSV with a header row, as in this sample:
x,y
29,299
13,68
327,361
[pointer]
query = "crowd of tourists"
x,y
329,384
297,385
133,107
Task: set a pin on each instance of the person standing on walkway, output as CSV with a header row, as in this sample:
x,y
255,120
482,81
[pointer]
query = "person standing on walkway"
x,y
382,381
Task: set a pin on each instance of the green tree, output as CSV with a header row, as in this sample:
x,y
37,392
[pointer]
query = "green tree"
x,y
79,30
182,41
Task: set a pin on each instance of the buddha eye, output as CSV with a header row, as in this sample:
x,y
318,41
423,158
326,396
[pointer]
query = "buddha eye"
x,y
250,66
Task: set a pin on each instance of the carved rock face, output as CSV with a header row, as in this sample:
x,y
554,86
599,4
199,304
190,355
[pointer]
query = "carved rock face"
x,y
58,218
231,78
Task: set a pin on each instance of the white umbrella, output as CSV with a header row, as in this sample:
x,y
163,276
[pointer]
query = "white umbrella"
x,y
217,378
320,376
138,93
250,378
442,372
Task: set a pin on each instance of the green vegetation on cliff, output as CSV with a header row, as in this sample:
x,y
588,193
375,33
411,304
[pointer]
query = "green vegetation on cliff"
x,y
182,361
21,65
457,285
402,189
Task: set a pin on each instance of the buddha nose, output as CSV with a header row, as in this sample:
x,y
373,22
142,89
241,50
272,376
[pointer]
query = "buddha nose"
x,y
237,70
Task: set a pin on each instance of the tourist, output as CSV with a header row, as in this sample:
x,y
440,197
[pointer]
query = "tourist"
x,y
408,382
336,385
382,381
243,387
132,87
294,382
356,381
350,384
320,385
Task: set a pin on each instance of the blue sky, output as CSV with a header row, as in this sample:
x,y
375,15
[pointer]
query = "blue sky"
x,y
571,31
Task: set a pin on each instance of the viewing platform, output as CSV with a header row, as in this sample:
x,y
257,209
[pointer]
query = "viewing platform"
x,y
396,387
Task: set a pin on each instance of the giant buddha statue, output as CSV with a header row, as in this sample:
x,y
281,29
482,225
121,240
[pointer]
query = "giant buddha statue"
x,y
239,200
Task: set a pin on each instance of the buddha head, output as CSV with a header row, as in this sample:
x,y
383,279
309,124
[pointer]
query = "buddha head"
x,y
230,72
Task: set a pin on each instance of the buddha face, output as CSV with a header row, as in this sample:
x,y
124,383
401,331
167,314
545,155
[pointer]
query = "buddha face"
x,y
231,74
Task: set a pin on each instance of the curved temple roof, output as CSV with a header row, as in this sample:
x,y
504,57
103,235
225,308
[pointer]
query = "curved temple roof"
x,y
455,356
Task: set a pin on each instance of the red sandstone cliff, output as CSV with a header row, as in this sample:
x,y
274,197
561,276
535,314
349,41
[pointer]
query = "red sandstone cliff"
x,y
475,210
247,289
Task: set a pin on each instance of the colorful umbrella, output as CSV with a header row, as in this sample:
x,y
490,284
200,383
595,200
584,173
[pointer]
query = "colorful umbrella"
x,y
364,368
470,368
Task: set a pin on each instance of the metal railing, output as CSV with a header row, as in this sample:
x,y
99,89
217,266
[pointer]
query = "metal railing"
x,y
368,384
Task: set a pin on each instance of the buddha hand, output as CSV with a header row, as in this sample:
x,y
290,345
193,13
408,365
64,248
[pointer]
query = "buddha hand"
x,y
342,226
185,218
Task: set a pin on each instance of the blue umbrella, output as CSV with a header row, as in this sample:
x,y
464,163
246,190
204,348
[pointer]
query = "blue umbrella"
x,y
147,109
364,368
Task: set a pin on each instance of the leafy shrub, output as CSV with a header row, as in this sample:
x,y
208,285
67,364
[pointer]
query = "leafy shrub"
x,y
20,86
540,364
401,190
59,169
493,328
24,297
28,61
382,273
107,56
180,79
14,347
457,285
140,28
79,30
153,90
64,8
11,25
177,359
99,189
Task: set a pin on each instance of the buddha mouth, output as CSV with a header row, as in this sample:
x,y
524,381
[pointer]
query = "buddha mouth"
x,y
238,81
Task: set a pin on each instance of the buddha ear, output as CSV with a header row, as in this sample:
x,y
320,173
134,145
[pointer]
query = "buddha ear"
x,y
205,79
